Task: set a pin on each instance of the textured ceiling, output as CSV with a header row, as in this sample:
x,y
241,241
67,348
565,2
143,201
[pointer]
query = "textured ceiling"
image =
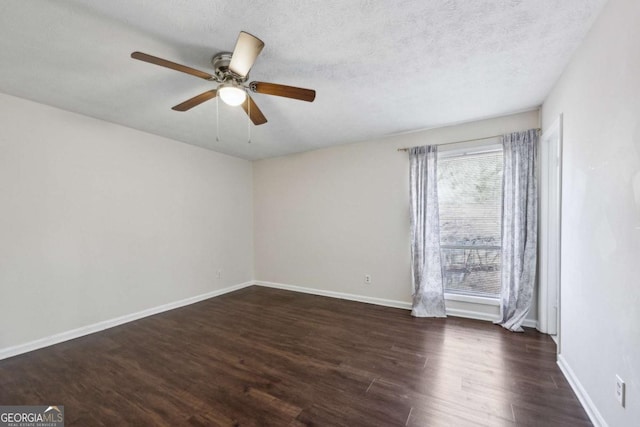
x,y
379,67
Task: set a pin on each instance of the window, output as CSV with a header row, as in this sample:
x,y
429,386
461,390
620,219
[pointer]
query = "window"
x,y
470,200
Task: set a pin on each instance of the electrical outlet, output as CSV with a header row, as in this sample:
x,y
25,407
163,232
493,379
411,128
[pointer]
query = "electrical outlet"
x,y
620,390
367,279
219,274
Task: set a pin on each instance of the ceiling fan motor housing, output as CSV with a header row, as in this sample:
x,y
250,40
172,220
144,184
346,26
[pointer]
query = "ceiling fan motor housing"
x,y
222,73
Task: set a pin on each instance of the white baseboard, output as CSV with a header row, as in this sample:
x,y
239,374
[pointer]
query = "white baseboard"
x,y
477,315
106,324
384,302
468,314
588,405
340,295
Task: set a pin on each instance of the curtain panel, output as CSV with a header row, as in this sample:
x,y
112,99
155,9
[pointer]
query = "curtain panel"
x,y
519,227
428,287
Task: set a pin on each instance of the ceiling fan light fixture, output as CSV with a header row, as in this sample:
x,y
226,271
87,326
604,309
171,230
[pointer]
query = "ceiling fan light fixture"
x,y
232,93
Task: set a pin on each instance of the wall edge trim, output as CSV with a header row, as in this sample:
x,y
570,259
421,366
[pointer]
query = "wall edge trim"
x,y
381,301
582,395
50,340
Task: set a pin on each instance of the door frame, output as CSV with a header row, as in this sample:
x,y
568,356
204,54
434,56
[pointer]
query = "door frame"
x,y
549,304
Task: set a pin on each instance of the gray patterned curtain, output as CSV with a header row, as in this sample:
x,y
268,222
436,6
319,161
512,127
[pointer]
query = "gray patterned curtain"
x,y
519,227
428,288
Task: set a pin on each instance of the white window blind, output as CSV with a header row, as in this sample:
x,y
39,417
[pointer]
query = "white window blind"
x,y
470,199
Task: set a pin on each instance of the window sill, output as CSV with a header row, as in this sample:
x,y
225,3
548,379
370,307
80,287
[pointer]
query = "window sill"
x,y
472,299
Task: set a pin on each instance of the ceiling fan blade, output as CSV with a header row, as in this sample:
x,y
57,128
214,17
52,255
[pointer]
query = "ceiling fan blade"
x,y
247,49
281,90
196,100
253,111
168,64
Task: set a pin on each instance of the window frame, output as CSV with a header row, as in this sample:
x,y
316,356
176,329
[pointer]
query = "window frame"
x,y
460,150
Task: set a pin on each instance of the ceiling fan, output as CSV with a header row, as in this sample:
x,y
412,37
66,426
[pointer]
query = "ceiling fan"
x,y
231,72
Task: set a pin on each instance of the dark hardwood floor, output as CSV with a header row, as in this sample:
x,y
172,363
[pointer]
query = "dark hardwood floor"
x,y
265,357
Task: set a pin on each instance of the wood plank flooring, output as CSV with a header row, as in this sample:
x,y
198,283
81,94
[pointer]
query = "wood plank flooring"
x,y
266,357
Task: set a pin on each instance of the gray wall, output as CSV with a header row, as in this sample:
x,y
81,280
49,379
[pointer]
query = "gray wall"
x,y
99,221
323,219
599,96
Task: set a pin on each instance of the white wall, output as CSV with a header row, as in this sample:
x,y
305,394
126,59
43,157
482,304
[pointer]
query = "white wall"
x,y
99,221
599,94
324,219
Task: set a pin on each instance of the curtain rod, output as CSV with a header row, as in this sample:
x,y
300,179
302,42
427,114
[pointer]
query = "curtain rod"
x,y
459,142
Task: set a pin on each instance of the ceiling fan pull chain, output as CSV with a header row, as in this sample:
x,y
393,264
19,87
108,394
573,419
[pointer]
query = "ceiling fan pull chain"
x,y
217,121
248,120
